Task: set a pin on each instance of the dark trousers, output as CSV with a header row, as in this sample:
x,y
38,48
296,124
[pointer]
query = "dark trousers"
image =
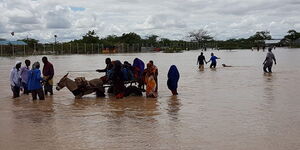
x,y
38,92
48,88
268,68
213,65
16,91
25,88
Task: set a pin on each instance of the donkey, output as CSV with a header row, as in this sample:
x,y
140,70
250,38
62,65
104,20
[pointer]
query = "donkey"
x,y
94,85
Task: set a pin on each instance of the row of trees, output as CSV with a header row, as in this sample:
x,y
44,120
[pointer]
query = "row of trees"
x,y
200,36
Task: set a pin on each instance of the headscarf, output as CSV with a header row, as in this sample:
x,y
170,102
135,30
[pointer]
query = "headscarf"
x,y
18,62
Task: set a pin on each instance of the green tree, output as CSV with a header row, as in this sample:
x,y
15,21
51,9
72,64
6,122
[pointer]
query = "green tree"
x,y
152,39
200,36
130,38
261,35
292,35
90,37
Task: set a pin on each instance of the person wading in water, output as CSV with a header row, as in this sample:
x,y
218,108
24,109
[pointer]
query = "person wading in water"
x,y
200,61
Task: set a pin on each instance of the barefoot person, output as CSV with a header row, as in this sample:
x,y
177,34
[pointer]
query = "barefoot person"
x,y
15,79
213,60
48,73
200,61
268,63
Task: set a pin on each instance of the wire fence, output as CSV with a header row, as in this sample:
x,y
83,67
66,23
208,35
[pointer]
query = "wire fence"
x,y
95,48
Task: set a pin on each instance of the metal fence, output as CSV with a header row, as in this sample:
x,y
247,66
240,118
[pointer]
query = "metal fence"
x,y
90,48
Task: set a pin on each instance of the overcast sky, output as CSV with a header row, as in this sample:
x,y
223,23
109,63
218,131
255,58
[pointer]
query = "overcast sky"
x,y
70,19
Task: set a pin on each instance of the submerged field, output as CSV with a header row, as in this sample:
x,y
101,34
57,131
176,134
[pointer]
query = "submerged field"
x,y
238,107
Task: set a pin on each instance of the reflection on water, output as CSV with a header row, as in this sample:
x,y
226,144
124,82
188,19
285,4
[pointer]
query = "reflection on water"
x,y
173,107
228,108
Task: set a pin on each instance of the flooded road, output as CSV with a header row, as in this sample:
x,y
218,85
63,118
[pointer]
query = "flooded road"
x,y
237,107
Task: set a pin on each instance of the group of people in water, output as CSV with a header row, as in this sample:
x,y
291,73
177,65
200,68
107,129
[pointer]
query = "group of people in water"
x,y
32,80
267,64
117,75
201,59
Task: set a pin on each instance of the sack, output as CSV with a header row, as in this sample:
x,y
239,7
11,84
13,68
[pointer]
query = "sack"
x,y
81,81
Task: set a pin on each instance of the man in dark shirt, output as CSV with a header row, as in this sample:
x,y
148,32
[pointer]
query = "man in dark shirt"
x,y
200,61
48,73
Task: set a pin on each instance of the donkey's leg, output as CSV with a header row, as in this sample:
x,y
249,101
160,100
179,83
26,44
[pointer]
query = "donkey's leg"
x,y
100,93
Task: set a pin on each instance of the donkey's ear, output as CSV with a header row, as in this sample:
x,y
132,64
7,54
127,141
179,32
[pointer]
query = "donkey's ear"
x,y
66,75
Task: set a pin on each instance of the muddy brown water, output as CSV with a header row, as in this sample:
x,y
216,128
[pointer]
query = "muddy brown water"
x,y
227,108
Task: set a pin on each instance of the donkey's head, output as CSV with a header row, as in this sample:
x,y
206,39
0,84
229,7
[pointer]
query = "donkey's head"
x,y
62,82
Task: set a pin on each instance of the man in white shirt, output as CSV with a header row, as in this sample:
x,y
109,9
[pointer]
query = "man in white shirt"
x,y
15,79
268,63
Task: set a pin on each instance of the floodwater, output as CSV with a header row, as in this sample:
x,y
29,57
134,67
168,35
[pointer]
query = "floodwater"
x,y
238,107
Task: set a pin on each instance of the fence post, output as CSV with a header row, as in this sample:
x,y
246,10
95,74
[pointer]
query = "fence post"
x,y
77,47
13,50
85,48
52,48
62,48
24,50
1,49
44,48
98,47
70,50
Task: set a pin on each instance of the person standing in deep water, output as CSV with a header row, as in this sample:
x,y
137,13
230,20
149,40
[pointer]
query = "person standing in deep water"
x,y
268,63
213,60
48,73
24,76
201,59
15,79
155,74
35,82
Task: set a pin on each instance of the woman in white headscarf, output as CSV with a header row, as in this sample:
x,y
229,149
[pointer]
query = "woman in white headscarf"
x,y
15,79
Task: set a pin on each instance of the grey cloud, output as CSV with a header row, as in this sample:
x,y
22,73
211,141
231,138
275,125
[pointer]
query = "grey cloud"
x,y
58,18
162,22
168,18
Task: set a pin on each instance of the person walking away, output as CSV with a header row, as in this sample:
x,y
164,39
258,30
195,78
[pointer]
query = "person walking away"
x,y
213,60
24,76
15,79
201,59
173,78
35,82
268,63
48,73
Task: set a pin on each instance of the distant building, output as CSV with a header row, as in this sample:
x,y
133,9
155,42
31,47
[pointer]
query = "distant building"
x,y
271,42
12,43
